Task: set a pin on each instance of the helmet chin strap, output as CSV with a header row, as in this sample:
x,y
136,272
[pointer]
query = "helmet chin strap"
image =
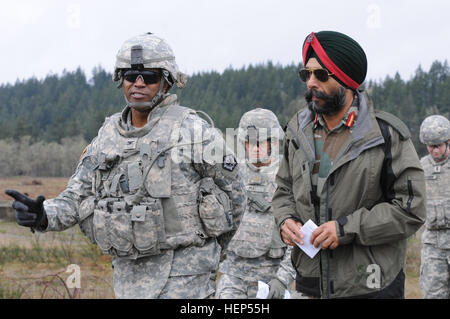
x,y
148,106
443,156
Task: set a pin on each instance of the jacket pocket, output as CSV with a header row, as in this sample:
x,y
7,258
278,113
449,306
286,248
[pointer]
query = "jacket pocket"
x,y
158,181
214,209
277,246
304,265
437,216
101,225
301,182
120,233
148,228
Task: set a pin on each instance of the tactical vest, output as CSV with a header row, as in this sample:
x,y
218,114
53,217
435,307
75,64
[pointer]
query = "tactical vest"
x,y
142,204
258,233
437,177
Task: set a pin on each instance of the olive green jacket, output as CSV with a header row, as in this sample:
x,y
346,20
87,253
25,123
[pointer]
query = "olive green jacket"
x,y
375,191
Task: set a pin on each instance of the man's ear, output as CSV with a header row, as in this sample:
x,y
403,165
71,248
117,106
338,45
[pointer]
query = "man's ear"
x,y
166,87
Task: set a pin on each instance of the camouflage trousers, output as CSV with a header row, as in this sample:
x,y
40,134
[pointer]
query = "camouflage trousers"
x,y
300,295
150,278
189,287
182,287
232,287
435,272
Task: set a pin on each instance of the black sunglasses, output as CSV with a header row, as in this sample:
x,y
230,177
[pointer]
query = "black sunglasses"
x,y
149,77
321,74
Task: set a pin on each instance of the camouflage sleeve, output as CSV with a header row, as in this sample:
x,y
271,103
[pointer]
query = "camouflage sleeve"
x,y
214,159
286,272
64,210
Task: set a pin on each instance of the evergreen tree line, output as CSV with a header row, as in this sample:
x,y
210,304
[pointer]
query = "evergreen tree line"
x,y
68,107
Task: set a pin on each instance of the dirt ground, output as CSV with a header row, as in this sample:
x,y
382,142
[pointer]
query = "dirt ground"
x,y
49,187
36,265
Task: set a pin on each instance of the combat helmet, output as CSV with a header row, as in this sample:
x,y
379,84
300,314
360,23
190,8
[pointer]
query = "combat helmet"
x,y
148,51
434,130
259,125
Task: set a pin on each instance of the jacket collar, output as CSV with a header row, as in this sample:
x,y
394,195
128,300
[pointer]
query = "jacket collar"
x,y
123,124
365,133
360,129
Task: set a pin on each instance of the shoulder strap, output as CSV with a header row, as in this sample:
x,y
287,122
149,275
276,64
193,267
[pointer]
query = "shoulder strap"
x,y
395,122
175,116
387,174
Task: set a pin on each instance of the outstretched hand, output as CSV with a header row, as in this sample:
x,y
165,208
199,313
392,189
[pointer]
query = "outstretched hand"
x,y
29,212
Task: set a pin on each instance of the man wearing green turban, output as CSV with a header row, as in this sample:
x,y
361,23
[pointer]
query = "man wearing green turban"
x,y
354,172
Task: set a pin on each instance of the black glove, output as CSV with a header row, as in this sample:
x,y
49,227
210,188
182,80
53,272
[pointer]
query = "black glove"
x,y
29,212
277,289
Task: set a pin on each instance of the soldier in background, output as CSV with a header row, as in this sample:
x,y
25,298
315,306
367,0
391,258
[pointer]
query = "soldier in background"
x,y
145,191
256,252
435,259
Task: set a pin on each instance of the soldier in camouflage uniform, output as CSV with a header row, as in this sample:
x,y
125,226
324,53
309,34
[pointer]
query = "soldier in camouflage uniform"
x,y
256,252
147,189
435,259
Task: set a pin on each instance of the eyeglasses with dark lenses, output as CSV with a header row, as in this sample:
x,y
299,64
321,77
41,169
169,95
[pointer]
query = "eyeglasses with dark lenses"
x,y
149,77
321,74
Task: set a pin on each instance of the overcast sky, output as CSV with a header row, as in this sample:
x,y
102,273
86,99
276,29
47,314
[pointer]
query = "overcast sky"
x,y
41,37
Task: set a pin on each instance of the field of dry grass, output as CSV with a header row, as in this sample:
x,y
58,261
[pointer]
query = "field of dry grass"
x,y
49,187
34,265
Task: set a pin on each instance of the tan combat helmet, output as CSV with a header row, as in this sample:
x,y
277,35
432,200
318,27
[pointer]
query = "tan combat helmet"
x,y
148,51
434,130
259,125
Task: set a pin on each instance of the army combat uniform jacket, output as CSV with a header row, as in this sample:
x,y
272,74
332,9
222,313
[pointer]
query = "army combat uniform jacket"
x,y
156,199
435,255
437,224
256,252
375,191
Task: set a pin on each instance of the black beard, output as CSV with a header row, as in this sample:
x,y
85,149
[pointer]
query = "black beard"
x,y
332,103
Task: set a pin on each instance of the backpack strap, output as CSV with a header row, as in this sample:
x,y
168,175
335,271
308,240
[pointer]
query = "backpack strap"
x,y
387,174
395,122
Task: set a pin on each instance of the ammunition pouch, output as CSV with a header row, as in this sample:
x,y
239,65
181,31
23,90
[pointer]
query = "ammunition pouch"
x,y
129,231
257,202
214,208
438,214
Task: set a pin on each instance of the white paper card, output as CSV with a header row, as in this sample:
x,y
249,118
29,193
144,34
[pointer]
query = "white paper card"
x,y
287,294
263,290
307,247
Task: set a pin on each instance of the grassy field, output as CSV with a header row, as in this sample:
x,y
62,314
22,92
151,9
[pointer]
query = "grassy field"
x,y
35,265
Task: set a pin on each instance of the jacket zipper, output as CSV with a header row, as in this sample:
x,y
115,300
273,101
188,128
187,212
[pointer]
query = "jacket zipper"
x,y
327,217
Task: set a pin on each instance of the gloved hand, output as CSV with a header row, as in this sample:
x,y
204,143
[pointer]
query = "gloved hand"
x,y
29,212
277,289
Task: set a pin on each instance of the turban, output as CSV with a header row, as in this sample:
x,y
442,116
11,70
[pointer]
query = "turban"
x,y
339,54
